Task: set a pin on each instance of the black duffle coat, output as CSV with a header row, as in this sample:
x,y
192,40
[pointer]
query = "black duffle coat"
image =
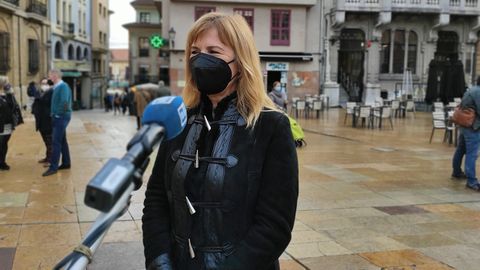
x,y
224,197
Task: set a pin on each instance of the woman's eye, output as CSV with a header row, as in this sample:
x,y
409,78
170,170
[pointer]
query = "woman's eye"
x,y
194,52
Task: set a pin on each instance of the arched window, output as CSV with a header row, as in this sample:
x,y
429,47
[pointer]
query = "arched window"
x,y
58,50
398,51
85,54
71,52
79,53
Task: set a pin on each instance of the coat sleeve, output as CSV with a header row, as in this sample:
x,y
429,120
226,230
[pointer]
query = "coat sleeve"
x,y
275,207
156,213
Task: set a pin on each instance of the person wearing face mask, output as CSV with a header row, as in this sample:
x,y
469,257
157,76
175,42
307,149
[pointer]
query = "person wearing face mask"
x,y
43,120
10,117
222,194
278,96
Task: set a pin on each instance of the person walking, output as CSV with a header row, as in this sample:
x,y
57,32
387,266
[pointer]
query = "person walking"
x,y
469,141
61,111
43,120
10,117
209,204
117,102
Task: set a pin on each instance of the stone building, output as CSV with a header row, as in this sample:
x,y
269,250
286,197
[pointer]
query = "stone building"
x,y
119,70
148,53
286,35
370,44
100,51
24,43
71,46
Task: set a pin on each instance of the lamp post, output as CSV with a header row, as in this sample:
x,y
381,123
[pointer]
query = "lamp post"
x,y
171,37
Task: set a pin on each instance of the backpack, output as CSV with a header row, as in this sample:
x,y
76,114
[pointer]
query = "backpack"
x,y
297,132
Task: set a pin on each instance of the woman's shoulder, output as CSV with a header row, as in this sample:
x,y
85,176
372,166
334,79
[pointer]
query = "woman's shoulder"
x,y
272,118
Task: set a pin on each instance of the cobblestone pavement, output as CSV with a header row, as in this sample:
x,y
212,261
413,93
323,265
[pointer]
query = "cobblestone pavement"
x,y
369,199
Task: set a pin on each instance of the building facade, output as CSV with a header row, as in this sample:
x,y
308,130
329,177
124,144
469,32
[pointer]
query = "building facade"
x,y
100,53
370,45
148,55
119,70
24,52
286,35
71,46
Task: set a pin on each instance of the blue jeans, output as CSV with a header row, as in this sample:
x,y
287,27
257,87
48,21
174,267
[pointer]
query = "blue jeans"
x,y
59,142
468,143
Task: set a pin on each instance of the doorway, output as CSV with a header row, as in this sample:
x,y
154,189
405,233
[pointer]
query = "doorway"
x,y
351,57
163,75
273,76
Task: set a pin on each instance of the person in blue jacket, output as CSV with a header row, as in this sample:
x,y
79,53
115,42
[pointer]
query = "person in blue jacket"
x,y
61,111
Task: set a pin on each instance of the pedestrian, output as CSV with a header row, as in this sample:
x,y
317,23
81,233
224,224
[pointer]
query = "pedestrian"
x,y
10,117
468,141
117,102
43,120
31,93
125,101
223,193
106,100
163,90
278,96
61,111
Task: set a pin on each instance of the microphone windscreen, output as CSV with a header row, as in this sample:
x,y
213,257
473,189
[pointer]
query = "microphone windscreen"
x,y
169,112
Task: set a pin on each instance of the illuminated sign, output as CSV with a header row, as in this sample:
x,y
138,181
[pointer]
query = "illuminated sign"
x,y
157,41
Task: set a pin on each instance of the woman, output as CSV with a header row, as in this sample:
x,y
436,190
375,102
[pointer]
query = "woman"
x,y
223,194
43,120
10,117
278,96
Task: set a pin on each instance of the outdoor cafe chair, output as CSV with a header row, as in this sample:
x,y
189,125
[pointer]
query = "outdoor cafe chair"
x,y
364,113
395,107
300,106
384,112
439,122
408,107
438,107
294,104
350,111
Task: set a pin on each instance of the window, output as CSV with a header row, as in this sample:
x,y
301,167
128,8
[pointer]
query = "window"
x,y
280,27
4,52
412,52
71,52
200,11
33,57
104,12
85,54
58,12
399,50
80,23
143,47
79,53
100,36
58,50
105,38
247,13
100,9
385,52
144,17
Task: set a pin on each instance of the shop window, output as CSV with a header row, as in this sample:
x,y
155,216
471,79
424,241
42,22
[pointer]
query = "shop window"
x,y
4,52
247,13
200,11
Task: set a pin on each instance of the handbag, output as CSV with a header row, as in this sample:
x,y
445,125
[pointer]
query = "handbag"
x,y
463,116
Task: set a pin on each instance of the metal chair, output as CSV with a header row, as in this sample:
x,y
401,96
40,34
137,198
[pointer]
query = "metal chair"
x,y
365,113
439,122
384,112
300,105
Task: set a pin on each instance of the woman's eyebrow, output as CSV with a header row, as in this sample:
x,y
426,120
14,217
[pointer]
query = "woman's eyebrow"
x,y
215,47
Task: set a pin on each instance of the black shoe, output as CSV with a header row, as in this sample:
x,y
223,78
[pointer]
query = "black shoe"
x,y
4,167
49,172
475,187
43,160
459,176
64,167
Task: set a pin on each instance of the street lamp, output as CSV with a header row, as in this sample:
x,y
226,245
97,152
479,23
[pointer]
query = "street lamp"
x,y
171,37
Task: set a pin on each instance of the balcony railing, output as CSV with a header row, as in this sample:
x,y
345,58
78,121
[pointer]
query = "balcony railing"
x,y
69,28
431,6
15,2
37,7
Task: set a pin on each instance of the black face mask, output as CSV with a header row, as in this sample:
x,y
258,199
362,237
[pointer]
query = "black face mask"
x,y
210,74
50,82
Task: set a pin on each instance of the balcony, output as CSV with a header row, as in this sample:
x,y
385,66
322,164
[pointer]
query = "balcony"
x,y
38,8
68,28
454,7
13,2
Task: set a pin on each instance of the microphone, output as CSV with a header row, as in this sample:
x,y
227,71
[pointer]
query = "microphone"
x,y
164,117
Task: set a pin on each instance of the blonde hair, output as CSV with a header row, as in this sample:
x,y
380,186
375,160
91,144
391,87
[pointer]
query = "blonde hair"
x,y
234,32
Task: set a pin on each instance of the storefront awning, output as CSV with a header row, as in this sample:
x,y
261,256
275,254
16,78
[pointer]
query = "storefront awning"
x,y
71,74
285,56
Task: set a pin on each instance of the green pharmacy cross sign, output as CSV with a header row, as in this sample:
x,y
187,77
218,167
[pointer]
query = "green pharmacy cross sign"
x,y
157,41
